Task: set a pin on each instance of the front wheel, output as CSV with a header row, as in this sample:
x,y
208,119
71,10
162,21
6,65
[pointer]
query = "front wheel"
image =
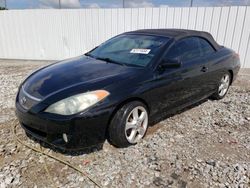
x,y
129,124
222,87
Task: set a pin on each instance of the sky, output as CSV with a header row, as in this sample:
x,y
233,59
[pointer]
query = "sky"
x,y
30,4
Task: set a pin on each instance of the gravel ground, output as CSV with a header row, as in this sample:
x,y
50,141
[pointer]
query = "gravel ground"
x,y
207,145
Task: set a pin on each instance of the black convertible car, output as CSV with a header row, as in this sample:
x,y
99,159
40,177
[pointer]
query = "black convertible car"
x,y
115,89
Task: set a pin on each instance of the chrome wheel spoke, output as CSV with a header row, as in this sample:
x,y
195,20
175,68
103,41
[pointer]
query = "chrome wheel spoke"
x,y
226,79
223,90
142,116
130,125
221,87
135,114
132,135
141,131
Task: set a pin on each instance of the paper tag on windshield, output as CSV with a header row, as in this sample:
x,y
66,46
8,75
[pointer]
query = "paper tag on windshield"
x,y
139,51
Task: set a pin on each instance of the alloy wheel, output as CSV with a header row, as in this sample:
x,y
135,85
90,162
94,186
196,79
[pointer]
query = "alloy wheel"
x,y
224,85
136,124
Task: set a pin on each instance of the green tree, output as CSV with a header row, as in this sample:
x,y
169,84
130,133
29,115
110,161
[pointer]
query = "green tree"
x,y
2,8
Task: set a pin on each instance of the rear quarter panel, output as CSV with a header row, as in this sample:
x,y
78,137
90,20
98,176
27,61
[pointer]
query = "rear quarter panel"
x,y
224,60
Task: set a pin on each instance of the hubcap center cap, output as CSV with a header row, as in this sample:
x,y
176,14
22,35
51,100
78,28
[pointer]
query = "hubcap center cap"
x,y
138,123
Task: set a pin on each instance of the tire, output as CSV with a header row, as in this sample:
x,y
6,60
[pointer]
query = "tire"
x,y
223,86
125,128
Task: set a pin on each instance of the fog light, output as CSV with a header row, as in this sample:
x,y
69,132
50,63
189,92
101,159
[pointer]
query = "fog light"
x,y
65,138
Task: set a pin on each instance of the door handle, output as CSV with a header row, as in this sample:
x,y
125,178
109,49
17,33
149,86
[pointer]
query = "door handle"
x,y
204,69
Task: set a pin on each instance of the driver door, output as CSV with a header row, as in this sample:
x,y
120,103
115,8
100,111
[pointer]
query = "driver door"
x,y
183,85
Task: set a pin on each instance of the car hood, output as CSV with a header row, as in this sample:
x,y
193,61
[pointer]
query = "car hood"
x,y
82,73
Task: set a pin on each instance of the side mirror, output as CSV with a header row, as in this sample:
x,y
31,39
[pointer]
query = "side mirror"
x,y
170,63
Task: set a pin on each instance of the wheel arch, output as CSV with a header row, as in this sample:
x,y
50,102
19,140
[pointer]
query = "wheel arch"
x,y
122,103
232,75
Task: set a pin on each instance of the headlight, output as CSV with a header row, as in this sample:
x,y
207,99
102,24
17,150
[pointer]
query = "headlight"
x,y
77,103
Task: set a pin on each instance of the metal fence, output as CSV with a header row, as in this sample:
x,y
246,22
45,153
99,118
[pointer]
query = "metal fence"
x,y
57,34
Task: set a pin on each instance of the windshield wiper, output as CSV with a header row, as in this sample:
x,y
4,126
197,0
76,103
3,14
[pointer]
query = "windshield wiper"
x,y
90,55
110,60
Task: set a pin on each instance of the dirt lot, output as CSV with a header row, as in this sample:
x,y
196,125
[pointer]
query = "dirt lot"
x,y
204,146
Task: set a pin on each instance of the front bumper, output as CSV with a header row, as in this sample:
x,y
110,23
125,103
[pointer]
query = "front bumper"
x,y
82,130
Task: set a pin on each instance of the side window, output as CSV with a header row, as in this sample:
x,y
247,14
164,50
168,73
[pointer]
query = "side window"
x,y
186,49
205,47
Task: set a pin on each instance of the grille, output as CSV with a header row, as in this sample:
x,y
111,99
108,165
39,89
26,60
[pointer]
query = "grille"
x,y
25,100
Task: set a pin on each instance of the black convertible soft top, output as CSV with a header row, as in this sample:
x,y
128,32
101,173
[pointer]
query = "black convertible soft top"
x,y
178,34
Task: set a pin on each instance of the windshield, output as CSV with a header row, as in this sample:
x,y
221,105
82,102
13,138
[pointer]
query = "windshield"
x,y
137,50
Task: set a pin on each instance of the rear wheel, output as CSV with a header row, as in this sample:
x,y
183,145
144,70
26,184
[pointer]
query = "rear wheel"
x,y
223,87
129,124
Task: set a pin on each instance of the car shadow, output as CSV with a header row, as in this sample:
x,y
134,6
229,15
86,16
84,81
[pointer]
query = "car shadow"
x,y
90,149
